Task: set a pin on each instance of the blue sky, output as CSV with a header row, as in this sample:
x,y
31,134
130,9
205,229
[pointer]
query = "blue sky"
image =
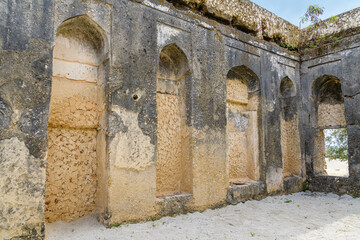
x,y
292,10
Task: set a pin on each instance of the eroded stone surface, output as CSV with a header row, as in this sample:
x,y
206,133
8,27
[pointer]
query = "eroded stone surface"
x,y
21,189
103,111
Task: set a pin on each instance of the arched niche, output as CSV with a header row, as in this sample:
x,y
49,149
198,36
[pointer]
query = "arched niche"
x,y
76,138
287,88
330,114
173,63
289,124
329,101
243,104
174,168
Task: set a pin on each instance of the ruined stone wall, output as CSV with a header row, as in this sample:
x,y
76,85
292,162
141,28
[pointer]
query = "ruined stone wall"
x,y
340,26
290,135
331,115
248,17
173,163
25,81
122,134
330,106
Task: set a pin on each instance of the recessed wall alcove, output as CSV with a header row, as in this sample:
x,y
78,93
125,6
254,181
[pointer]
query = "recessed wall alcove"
x,y
242,100
174,168
290,138
76,137
330,114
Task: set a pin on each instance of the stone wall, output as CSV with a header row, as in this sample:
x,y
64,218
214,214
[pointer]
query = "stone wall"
x,y
118,117
342,25
25,82
329,95
248,17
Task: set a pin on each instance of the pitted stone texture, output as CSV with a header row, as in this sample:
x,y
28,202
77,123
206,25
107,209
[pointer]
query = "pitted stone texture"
x,y
71,174
290,147
172,169
5,114
22,178
76,107
242,131
331,115
74,112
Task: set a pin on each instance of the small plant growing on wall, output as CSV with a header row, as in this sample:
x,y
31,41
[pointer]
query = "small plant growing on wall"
x,y
313,14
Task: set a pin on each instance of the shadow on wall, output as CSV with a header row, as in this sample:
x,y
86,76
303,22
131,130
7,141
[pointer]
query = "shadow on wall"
x,y
76,136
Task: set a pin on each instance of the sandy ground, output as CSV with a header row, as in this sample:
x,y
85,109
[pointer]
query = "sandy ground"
x,y
336,167
297,216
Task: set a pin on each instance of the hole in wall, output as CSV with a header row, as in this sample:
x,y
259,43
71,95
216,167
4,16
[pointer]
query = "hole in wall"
x,y
135,97
336,152
329,103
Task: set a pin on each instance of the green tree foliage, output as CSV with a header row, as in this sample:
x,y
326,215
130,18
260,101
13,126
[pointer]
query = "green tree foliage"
x,y
336,144
313,14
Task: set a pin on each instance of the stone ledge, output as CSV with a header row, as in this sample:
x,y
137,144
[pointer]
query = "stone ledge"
x,y
237,194
173,205
293,184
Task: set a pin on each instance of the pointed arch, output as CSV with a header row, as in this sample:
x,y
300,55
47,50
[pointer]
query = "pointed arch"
x,y
330,113
327,89
246,76
287,88
173,63
83,29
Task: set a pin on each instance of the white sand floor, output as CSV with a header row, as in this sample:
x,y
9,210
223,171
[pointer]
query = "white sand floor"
x,y
335,167
297,216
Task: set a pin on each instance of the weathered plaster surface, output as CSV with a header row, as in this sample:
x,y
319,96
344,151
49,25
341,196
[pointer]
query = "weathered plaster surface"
x,y
131,162
242,133
75,109
21,204
210,178
112,93
132,149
